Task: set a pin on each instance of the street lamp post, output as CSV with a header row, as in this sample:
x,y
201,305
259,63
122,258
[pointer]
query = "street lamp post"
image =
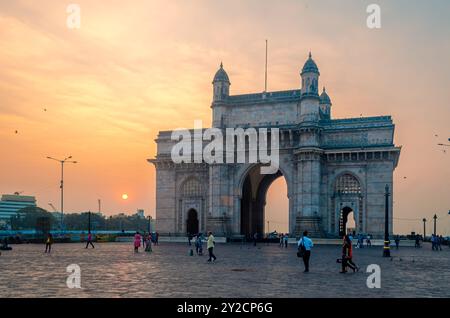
x,y
386,248
89,222
435,218
62,183
424,232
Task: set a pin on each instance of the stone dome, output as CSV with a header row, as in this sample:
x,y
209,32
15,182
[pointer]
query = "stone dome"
x,y
310,65
324,98
221,75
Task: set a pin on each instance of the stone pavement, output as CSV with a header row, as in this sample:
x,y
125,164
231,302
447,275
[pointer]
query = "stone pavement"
x,y
114,270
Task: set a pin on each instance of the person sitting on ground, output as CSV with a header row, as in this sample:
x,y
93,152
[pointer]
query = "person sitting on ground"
x,y
5,246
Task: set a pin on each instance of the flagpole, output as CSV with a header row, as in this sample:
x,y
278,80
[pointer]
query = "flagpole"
x,y
265,78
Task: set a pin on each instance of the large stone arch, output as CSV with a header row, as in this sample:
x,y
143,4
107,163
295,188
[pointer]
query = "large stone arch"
x,y
259,192
243,170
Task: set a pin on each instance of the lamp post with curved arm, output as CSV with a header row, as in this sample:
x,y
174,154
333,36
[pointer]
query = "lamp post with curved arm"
x,y
62,162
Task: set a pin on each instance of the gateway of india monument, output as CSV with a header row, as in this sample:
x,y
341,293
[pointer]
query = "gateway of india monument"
x,y
334,168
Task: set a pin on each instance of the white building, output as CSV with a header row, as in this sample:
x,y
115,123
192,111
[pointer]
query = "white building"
x,y
10,204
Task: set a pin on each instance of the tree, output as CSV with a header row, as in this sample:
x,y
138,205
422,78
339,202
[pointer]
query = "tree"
x,y
33,218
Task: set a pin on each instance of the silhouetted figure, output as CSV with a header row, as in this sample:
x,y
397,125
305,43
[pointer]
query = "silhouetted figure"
x,y
48,243
417,241
89,241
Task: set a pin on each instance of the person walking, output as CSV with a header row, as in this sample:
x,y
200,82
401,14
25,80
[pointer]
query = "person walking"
x,y
48,243
281,237
210,246
148,243
439,240
89,240
144,240
156,238
417,241
347,256
397,241
255,238
368,241
286,239
305,245
433,242
137,242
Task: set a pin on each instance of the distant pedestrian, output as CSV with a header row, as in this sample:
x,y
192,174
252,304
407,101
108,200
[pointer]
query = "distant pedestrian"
x,y
305,245
210,246
255,237
351,236
148,243
156,238
281,237
286,239
189,239
89,240
417,241
137,242
199,244
433,242
397,241
48,243
439,241
144,239
368,241
360,241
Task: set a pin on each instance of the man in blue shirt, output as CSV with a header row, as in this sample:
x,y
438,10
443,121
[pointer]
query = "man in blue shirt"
x,y
305,244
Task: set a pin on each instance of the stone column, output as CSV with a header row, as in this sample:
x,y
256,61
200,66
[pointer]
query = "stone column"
x,y
221,201
308,183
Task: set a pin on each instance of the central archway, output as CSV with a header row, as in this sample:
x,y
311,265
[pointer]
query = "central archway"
x,y
253,201
192,222
346,221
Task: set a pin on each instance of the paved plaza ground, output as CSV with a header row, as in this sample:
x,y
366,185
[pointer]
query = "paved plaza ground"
x,y
114,270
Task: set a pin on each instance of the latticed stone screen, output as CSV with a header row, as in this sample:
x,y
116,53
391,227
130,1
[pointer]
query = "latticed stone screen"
x,y
192,188
347,184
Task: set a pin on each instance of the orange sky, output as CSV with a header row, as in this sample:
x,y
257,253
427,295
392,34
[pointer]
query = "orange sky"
x,y
137,67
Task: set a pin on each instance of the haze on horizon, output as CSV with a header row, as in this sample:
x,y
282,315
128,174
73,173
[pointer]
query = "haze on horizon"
x,y
102,92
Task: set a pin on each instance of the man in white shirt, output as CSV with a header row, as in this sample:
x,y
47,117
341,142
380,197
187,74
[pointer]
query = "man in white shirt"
x,y
305,245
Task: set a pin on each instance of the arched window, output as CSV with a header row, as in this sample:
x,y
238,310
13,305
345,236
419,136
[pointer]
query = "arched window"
x,y
191,188
347,184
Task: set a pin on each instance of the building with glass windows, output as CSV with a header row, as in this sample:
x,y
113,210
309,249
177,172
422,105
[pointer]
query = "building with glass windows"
x,y
10,204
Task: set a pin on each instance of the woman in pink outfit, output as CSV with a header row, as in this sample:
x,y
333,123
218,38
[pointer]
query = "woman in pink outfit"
x,y
137,242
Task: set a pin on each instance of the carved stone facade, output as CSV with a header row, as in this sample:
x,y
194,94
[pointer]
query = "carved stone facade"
x,y
331,166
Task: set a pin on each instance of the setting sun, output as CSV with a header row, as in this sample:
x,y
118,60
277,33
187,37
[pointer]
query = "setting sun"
x,y
124,196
